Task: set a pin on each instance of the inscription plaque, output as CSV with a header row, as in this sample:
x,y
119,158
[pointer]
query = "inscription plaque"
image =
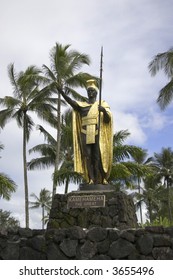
x,y
86,201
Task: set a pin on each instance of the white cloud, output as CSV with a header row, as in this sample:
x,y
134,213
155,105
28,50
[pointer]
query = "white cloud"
x,y
123,121
155,120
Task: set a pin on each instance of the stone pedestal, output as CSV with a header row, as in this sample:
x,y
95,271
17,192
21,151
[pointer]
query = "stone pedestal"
x,y
97,187
87,209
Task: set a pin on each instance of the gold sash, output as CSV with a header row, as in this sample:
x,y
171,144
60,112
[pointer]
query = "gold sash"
x,y
90,121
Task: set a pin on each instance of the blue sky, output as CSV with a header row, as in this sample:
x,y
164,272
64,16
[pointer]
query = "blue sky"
x,y
131,32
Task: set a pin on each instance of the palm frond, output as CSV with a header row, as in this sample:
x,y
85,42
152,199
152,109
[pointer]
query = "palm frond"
x,y
162,61
166,95
49,73
43,149
5,116
63,175
10,102
13,79
29,126
7,186
122,152
120,137
40,163
47,136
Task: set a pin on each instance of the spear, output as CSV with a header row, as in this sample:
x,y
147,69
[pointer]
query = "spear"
x,y
100,89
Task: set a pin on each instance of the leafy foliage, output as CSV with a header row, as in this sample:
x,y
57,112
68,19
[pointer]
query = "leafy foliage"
x,y
164,61
7,185
44,200
7,222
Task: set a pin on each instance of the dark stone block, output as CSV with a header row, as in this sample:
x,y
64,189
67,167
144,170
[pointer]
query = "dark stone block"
x,y
162,253
97,234
145,244
3,242
54,253
11,251
25,232
113,211
161,240
169,230
68,247
155,229
38,232
121,249
27,253
128,236
103,246
76,233
87,251
37,242
113,234
106,222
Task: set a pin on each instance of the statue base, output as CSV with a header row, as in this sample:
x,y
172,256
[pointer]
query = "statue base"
x,y
93,207
98,187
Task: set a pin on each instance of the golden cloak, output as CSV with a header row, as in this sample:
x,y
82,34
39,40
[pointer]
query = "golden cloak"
x,y
105,137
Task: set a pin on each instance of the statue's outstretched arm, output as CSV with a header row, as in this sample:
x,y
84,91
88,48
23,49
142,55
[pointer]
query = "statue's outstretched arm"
x,y
70,101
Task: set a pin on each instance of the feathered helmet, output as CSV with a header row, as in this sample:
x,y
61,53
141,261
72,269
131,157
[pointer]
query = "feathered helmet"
x,y
92,84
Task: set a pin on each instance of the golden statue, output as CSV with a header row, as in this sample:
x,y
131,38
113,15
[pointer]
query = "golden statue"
x,y
92,136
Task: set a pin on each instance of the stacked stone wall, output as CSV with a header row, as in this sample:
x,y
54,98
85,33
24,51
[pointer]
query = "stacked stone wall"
x,y
76,243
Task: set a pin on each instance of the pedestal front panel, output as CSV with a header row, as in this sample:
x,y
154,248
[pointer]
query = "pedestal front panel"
x,y
106,209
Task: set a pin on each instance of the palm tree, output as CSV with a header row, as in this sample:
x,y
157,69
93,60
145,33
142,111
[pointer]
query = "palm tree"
x,y
62,76
163,163
141,159
46,150
26,97
152,195
44,201
164,61
65,174
124,168
7,185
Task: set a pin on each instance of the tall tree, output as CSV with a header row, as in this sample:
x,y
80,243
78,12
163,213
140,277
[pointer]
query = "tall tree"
x,y
44,201
27,96
141,159
163,163
164,61
7,185
63,75
152,195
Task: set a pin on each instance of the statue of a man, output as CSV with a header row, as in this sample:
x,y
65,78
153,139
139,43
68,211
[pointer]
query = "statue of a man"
x,y
92,140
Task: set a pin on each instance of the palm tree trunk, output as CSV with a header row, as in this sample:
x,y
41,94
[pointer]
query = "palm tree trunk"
x,y
25,174
57,158
169,202
43,217
66,186
140,206
150,211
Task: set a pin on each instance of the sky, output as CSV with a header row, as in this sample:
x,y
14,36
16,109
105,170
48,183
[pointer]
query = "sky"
x,y
131,32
